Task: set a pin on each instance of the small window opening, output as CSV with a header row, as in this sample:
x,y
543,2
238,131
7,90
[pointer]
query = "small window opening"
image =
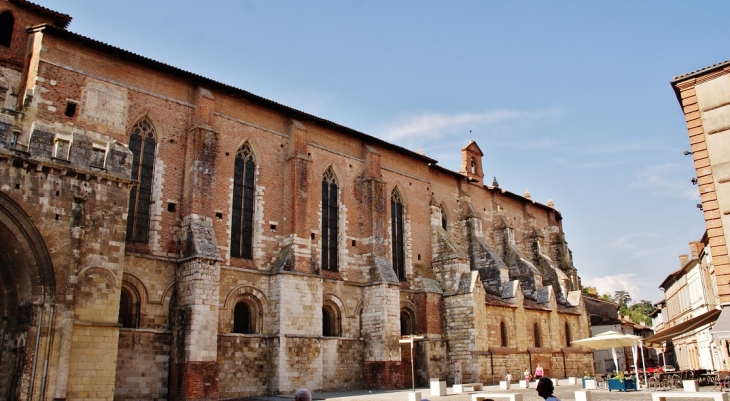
x,y
6,28
227,153
17,186
70,109
58,193
312,236
242,319
354,243
171,207
419,256
503,333
273,227
58,217
219,215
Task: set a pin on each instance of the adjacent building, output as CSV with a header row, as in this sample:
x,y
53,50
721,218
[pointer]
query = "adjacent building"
x,y
170,236
704,96
689,310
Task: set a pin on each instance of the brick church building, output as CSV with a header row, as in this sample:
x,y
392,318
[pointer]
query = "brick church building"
x,y
168,236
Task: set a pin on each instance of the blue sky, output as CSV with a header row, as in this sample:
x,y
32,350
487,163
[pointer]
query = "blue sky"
x,y
568,99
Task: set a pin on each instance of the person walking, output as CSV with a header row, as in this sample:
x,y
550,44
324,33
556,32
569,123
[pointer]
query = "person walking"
x,y
545,389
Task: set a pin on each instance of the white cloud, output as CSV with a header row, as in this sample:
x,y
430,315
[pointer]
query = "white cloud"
x,y
619,282
663,180
435,126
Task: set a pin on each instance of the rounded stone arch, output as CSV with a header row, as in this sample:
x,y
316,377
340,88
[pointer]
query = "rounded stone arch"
x,y
96,287
169,303
408,323
133,299
332,312
139,286
168,294
129,306
357,314
28,284
255,305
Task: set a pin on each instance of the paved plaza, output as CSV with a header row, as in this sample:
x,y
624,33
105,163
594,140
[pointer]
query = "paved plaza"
x,y
564,392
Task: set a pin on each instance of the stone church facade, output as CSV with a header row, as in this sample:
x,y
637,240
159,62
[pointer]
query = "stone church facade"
x,y
168,236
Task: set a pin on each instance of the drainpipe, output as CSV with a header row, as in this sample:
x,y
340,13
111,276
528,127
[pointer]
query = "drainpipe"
x,y
565,367
530,358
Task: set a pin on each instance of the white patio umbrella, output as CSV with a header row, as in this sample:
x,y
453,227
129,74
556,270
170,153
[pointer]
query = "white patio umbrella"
x,y
610,339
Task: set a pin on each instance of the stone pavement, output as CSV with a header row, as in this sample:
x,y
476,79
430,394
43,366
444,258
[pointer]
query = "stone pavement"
x,y
564,392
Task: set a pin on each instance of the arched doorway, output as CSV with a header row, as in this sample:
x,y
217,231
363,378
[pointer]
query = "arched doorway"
x,y
27,303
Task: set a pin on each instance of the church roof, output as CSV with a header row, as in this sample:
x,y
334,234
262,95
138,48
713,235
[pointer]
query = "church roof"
x,y
219,86
60,20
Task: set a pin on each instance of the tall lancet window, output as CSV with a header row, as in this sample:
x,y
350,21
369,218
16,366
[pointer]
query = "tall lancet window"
x,y
330,206
396,234
242,210
444,223
142,144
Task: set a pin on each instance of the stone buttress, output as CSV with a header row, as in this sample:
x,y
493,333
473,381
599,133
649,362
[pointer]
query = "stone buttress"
x,y
194,366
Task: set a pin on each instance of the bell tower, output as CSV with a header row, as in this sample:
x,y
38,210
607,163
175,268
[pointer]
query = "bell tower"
x,y
471,162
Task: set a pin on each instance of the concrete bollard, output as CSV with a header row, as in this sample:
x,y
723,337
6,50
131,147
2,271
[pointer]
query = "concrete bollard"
x,y
504,385
414,396
572,380
524,384
438,387
691,386
555,382
582,395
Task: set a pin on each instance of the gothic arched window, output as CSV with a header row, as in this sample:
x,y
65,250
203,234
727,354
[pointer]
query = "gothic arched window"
x,y
7,21
142,144
128,309
536,333
396,234
330,207
243,201
567,334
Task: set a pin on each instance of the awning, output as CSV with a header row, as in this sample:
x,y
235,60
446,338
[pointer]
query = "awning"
x,y
721,329
656,340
